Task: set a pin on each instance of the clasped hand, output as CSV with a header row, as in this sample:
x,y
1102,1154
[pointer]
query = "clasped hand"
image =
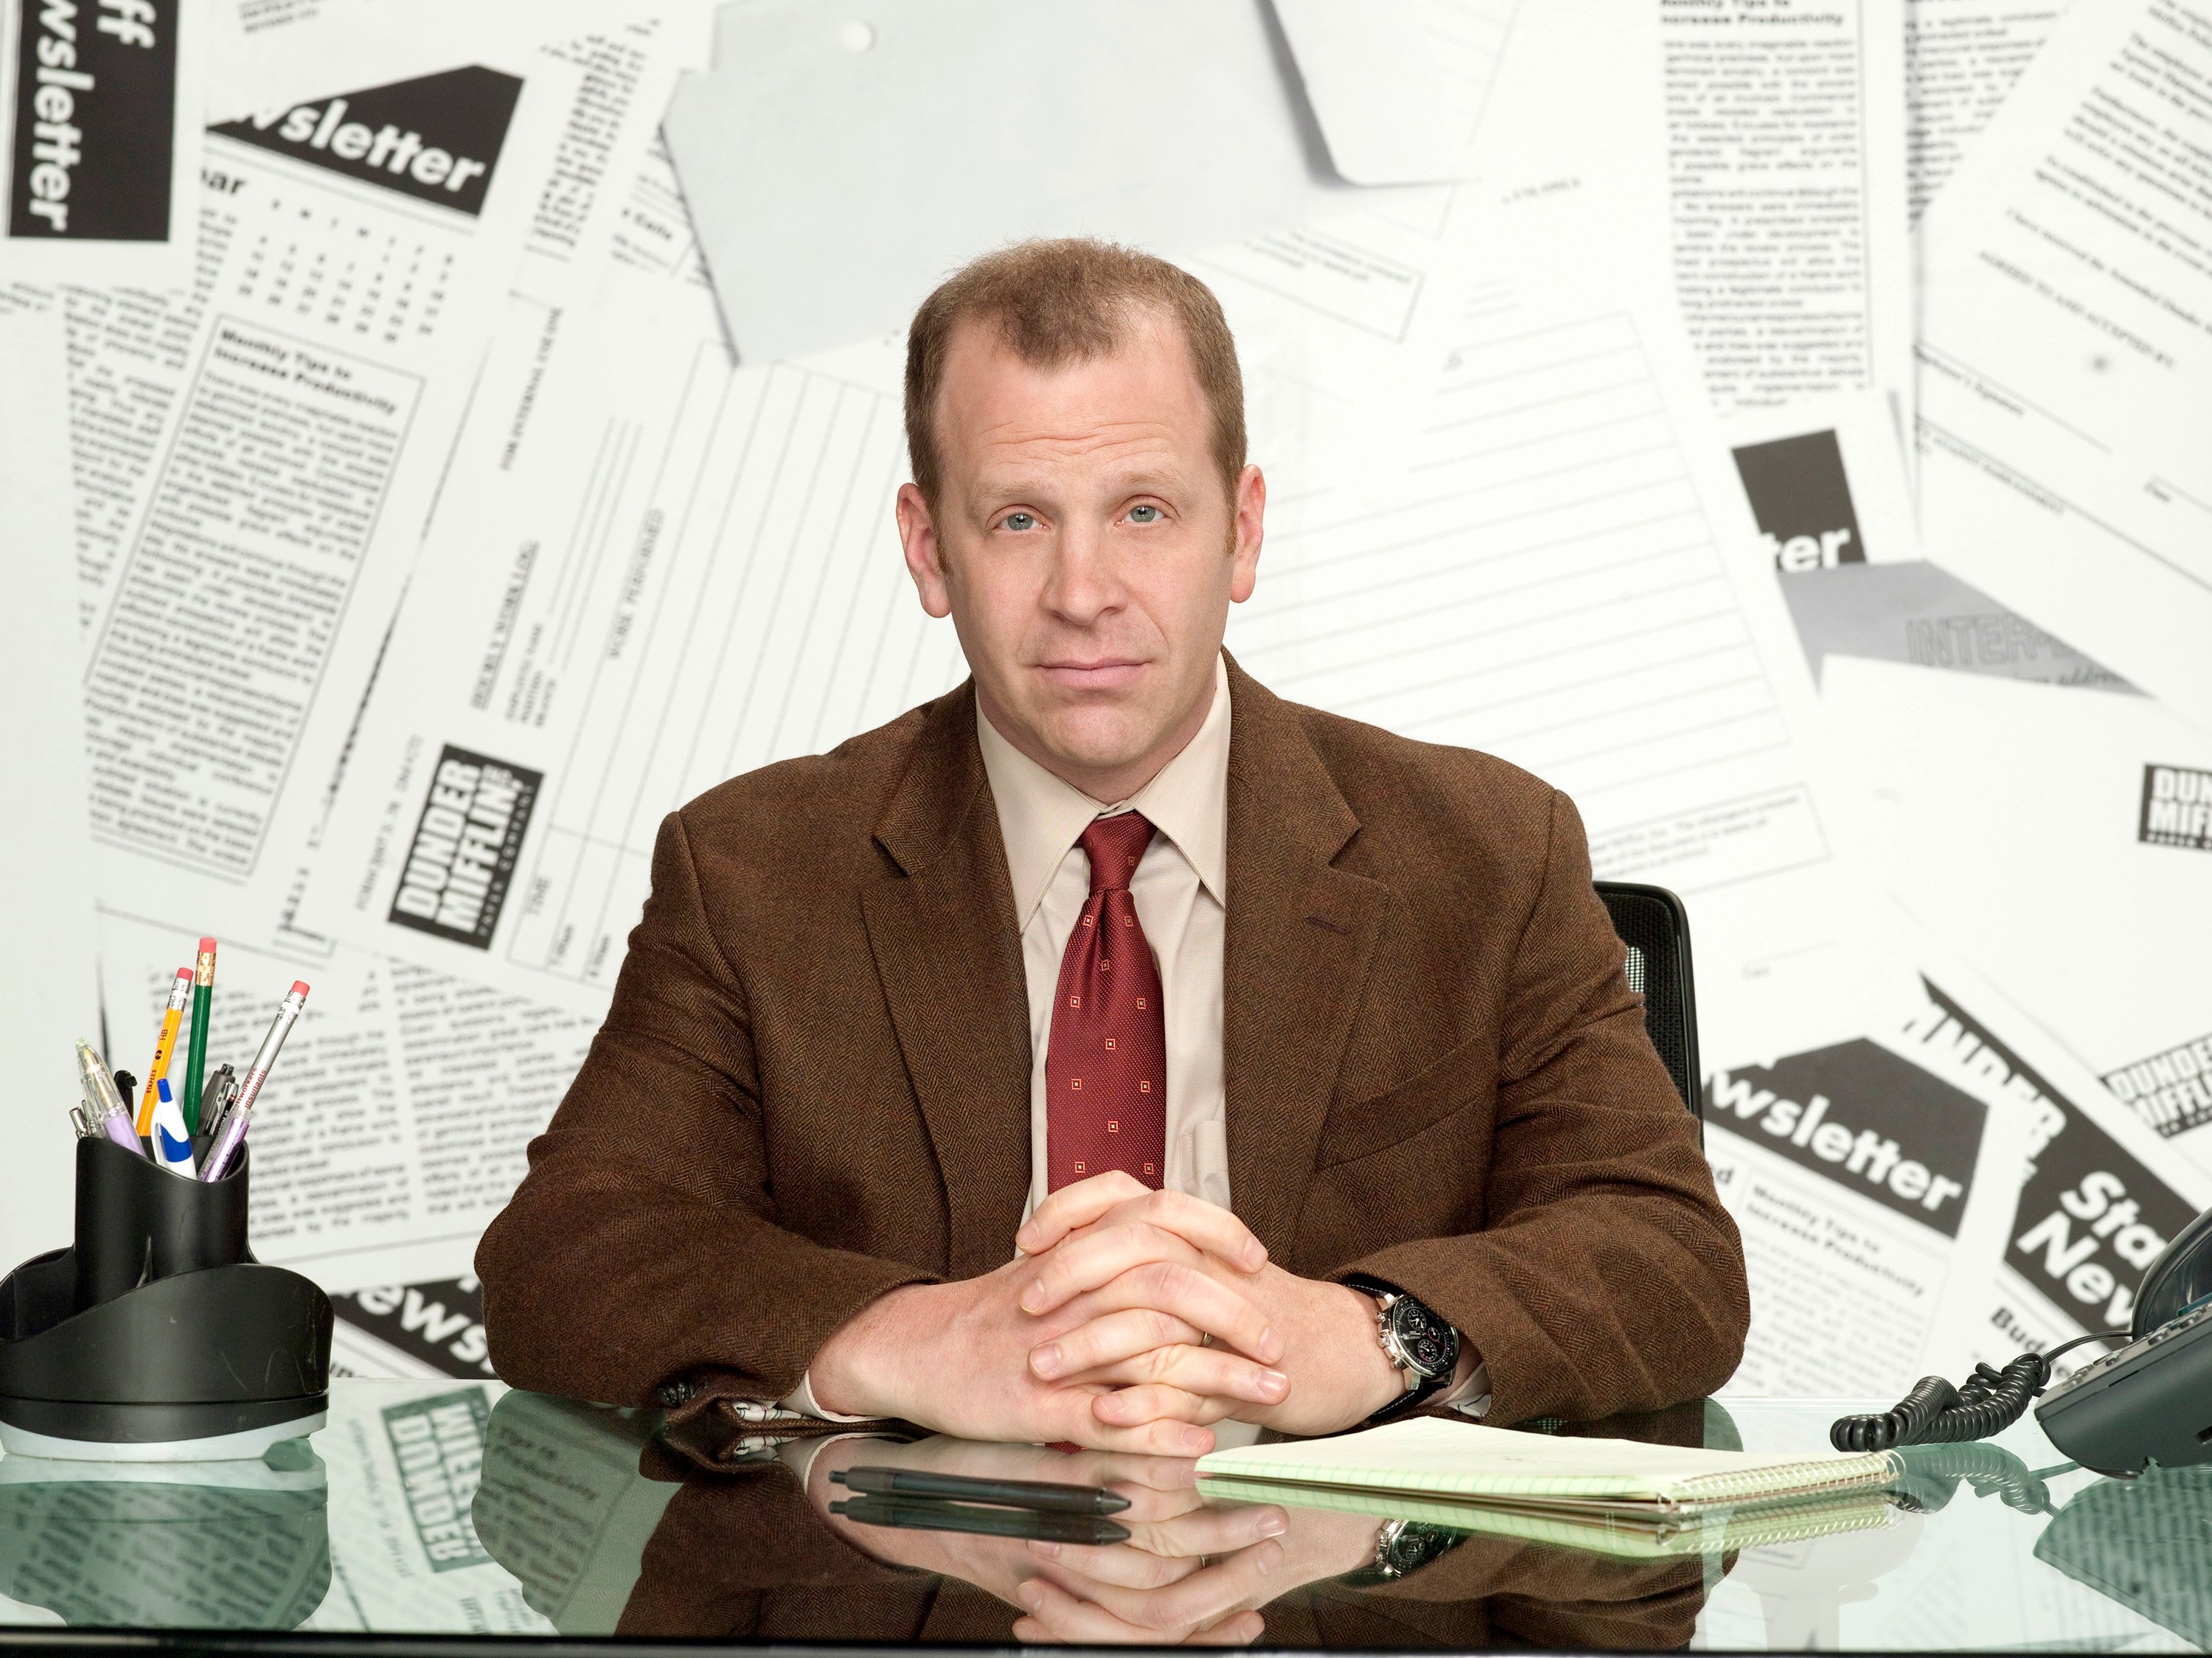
x,y
1131,1321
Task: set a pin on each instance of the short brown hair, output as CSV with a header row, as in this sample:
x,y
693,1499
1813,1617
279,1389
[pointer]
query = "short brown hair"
x,y
1068,300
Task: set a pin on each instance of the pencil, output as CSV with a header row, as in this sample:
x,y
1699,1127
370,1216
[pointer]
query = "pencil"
x,y
165,1045
202,1013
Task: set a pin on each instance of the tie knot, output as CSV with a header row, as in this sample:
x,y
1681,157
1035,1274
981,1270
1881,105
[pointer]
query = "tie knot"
x,y
1113,845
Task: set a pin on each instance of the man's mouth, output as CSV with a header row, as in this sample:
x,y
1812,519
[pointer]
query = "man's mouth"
x,y
1100,674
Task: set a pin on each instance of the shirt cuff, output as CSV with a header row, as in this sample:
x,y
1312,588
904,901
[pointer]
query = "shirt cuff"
x,y
801,1399
1470,1395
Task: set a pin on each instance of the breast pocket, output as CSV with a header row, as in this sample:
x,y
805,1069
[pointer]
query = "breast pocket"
x,y
1464,1076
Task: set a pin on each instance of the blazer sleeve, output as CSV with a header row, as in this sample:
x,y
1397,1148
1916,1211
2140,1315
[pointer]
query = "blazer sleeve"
x,y
640,1260
1607,1277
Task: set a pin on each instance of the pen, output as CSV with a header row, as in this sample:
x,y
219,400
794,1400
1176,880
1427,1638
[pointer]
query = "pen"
x,y
105,1105
202,1011
1038,1494
81,1123
173,1141
225,1151
930,1514
214,1100
181,992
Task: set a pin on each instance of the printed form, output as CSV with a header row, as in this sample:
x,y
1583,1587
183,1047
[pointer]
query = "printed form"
x,y
700,576
2066,350
1559,568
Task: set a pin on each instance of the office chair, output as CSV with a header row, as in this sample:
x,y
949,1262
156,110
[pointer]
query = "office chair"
x,y
1655,927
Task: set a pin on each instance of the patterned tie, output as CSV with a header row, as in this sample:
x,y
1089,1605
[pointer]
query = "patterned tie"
x,y
1106,1060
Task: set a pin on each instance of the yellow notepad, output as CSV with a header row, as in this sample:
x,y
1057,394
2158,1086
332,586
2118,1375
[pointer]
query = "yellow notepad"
x,y
1646,1536
1533,1471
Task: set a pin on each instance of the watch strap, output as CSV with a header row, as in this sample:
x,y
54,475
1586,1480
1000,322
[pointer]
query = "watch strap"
x,y
1425,1388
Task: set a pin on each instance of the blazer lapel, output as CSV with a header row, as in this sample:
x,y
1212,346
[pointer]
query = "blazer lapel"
x,y
949,957
1300,936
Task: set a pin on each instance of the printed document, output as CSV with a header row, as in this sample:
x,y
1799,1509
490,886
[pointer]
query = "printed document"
x,y
1961,58
2066,349
100,106
1874,1199
1785,153
1554,564
697,576
275,445
2099,1195
2069,839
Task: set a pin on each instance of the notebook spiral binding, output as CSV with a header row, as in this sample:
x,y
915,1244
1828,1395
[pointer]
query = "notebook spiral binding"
x,y
1868,1472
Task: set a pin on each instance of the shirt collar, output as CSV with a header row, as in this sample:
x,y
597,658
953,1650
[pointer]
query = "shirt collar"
x,y
1041,816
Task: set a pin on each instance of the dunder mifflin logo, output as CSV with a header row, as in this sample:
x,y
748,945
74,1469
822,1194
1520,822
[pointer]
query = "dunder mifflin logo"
x,y
2176,808
462,857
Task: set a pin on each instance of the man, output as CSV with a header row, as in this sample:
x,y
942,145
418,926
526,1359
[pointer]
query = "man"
x,y
1108,1048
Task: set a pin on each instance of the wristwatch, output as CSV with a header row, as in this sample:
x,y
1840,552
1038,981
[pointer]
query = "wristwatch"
x,y
1421,1345
1403,1546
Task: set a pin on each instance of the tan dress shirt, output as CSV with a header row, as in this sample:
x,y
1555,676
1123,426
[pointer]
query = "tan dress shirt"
x,y
1181,893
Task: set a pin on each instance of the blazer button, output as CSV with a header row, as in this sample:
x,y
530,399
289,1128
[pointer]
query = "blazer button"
x,y
672,1394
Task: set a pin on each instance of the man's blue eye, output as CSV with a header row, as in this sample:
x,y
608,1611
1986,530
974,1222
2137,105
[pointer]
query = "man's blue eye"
x,y
1144,514
1020,521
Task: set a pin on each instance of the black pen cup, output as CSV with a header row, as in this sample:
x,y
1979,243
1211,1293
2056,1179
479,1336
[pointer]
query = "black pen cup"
x,y
135,1221
156,1336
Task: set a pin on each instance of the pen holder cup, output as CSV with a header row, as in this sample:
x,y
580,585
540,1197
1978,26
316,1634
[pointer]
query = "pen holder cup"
x,y
156,1336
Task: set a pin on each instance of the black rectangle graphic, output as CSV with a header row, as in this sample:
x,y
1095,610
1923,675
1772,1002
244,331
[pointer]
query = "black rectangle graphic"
x,y
2176,808
94,121
462,857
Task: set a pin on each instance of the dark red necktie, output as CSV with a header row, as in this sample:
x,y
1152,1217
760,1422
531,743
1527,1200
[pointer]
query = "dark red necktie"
x,y
1106,1059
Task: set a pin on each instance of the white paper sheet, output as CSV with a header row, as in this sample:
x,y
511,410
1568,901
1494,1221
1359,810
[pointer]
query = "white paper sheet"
x,y
1830,494
49,976
2067,842
2100,1196
1555,564
840,164
273,53
1874,1201
102,106
1785,150
293,420
1400,91
698,576
2066,377
1961,58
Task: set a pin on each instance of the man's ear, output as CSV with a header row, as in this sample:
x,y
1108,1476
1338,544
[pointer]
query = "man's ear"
x,y
925,557
1251,509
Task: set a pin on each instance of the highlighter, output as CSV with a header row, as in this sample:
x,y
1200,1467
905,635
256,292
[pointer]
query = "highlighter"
x,y
173,1141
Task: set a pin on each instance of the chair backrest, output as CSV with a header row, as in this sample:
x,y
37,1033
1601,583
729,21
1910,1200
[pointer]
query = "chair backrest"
x,y
1655,927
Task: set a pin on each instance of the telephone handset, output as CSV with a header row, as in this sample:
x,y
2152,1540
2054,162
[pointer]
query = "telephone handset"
x,y
2149,1402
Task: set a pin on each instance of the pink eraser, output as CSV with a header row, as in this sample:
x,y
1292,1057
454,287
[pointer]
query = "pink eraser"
x,y
299,986
206,945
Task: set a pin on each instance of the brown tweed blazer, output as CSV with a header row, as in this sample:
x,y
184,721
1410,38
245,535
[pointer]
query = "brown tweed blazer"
x,y
812,1086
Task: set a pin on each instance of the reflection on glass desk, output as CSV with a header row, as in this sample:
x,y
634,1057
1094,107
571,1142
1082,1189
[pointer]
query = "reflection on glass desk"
x,y
464,1509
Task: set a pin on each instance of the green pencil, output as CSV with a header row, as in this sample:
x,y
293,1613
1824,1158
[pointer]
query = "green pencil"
x,y
196,1055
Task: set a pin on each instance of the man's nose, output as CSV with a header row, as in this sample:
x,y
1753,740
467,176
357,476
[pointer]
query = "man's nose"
x,y
1082,585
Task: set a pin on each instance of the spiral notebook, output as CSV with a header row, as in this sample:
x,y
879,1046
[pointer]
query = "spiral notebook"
x,y
1647,1535
1432,1456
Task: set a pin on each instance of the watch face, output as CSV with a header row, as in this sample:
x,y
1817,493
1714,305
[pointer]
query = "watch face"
x,y
1428,1341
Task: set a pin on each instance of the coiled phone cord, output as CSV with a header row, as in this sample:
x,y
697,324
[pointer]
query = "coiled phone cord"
x,y
1935,1413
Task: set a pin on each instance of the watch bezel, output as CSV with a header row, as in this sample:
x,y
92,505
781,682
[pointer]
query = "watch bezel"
x,y
1403,1308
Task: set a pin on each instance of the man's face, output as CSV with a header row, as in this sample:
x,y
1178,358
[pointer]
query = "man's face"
x,y
1086,548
